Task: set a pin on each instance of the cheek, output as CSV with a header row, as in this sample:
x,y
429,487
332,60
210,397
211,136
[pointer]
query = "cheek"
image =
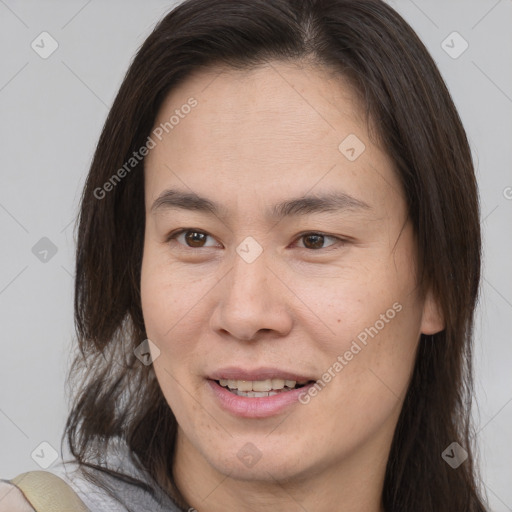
x,y
169,315
170,297
336,310
371,323
372,363
363,384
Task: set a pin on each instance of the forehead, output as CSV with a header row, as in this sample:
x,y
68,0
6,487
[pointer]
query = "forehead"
x,y
266,130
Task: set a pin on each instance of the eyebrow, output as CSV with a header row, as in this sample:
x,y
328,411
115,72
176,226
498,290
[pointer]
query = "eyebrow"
x,y
304,205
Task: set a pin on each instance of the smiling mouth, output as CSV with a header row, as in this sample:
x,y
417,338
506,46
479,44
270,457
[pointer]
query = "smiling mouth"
x,y
260,388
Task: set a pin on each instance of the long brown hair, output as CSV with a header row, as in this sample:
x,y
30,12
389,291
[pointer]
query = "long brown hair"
x,y
417,124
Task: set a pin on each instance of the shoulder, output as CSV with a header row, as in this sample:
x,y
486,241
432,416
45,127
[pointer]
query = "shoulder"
x,y
12,499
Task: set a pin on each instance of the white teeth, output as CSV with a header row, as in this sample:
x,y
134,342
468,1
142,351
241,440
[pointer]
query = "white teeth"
x,y
277,383
244,385
259,386
255,394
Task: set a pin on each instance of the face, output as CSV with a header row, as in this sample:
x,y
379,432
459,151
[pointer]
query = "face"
x,y
278,253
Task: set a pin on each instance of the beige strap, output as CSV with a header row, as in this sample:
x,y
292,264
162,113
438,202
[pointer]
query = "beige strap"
x,y
47,492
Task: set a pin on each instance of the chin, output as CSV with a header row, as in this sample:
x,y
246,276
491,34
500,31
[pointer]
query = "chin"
x,y
248,463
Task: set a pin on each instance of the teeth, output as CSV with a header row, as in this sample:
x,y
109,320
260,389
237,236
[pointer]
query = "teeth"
x,y
258,386
254,394
245,385
277,383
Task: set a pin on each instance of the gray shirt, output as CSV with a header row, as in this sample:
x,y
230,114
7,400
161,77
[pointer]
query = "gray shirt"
x,y
129,497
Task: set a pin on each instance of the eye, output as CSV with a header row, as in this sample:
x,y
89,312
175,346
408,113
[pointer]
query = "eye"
x,y
197,239
192,238
315,241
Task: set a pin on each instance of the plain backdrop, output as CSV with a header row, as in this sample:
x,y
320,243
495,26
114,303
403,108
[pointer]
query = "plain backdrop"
x,y
51,114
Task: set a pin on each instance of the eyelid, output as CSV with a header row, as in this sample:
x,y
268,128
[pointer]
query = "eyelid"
x,y
338,240
174,234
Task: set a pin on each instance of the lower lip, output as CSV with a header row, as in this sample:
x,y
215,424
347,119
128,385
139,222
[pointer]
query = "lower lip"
x,y
257,407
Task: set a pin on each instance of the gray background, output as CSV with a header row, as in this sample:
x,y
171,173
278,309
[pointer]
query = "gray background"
x,y
51,113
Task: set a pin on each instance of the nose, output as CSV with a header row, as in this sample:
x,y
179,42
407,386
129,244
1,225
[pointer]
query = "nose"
x,y
252,301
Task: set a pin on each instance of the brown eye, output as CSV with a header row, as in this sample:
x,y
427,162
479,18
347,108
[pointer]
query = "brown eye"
x,y
316,241
195,238
313,241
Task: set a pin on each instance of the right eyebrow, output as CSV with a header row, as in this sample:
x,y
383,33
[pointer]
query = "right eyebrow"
x,y
171,198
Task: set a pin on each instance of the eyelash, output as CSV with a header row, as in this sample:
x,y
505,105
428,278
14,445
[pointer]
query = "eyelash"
x,y
172,236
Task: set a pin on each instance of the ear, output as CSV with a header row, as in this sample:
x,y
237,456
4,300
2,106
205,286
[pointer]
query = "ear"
x,y
432,319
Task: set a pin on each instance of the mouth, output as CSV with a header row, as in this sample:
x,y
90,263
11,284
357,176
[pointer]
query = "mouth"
x,y
261,388
257,393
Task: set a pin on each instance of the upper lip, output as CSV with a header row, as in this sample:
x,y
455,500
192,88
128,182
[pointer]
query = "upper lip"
x,y
262,373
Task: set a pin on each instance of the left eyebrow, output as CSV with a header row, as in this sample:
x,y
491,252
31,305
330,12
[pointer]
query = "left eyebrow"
x,y
327,202
304,205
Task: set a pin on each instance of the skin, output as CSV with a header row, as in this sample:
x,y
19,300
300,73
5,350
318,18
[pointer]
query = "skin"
x,y
257,138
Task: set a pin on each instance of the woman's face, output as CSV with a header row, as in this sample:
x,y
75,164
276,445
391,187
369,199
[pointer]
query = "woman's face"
x,y
296,263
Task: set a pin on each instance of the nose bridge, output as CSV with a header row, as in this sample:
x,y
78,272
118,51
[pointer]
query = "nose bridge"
x,y
250,299
249,275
